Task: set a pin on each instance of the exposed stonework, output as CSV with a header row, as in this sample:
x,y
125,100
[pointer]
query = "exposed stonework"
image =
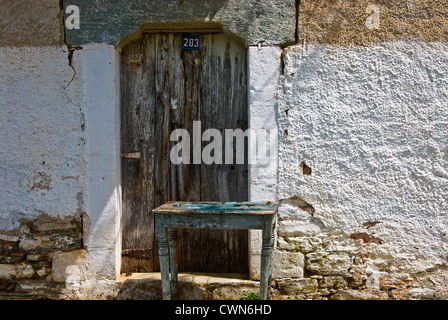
x,y
69,266
35,261
337,267
358,107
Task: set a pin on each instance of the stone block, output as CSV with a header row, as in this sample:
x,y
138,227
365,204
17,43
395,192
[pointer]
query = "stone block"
x,y
7,271
12,258
441,293
285,264
297,287
24,270
351,294
69,266
389,281
16,271
323,263
333,282
47,223
7,247
231,292
36,286
292,228
302,244
62,240
38,257
7,286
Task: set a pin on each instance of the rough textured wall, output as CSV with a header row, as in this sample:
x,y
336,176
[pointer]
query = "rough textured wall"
x,y
363,158
42,126
344,22
42,170
31,23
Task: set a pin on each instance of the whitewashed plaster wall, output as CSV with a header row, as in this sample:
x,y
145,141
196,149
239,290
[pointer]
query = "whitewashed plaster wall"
x,y
59,125
263,73
97,70
372,124
43,164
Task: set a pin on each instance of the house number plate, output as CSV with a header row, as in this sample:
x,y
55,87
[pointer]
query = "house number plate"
x,y
190,42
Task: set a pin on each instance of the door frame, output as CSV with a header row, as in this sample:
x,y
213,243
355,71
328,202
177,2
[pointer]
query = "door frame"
x,y
157,67
97,67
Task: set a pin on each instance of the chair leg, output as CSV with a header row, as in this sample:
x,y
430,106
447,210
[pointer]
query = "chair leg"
x,y
266,256
174,260
164,257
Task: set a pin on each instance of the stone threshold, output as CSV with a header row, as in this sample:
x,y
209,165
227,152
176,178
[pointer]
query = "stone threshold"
x,y
192,286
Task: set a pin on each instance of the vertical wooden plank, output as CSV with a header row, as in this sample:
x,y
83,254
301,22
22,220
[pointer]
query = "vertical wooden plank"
x,y
209,115
137,129
215,257
238,89
238,55
226,250
188,185
177,107
188,175
161,138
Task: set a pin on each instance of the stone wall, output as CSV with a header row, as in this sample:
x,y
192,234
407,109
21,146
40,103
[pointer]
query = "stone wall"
x,y
359,100
363,124
43,159
44,259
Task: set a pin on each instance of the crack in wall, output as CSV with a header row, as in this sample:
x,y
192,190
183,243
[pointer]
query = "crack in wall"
x,y
69,48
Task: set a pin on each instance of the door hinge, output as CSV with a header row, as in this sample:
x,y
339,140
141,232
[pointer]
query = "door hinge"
x,y
131,155
137,253
133,59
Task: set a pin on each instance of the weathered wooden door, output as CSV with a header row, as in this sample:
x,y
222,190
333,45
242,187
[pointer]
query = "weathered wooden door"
x,y
164,88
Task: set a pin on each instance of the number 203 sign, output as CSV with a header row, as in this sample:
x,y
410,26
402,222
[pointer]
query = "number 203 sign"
x,y
191,42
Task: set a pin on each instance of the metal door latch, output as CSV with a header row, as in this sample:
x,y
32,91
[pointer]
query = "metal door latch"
x,y
131,155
